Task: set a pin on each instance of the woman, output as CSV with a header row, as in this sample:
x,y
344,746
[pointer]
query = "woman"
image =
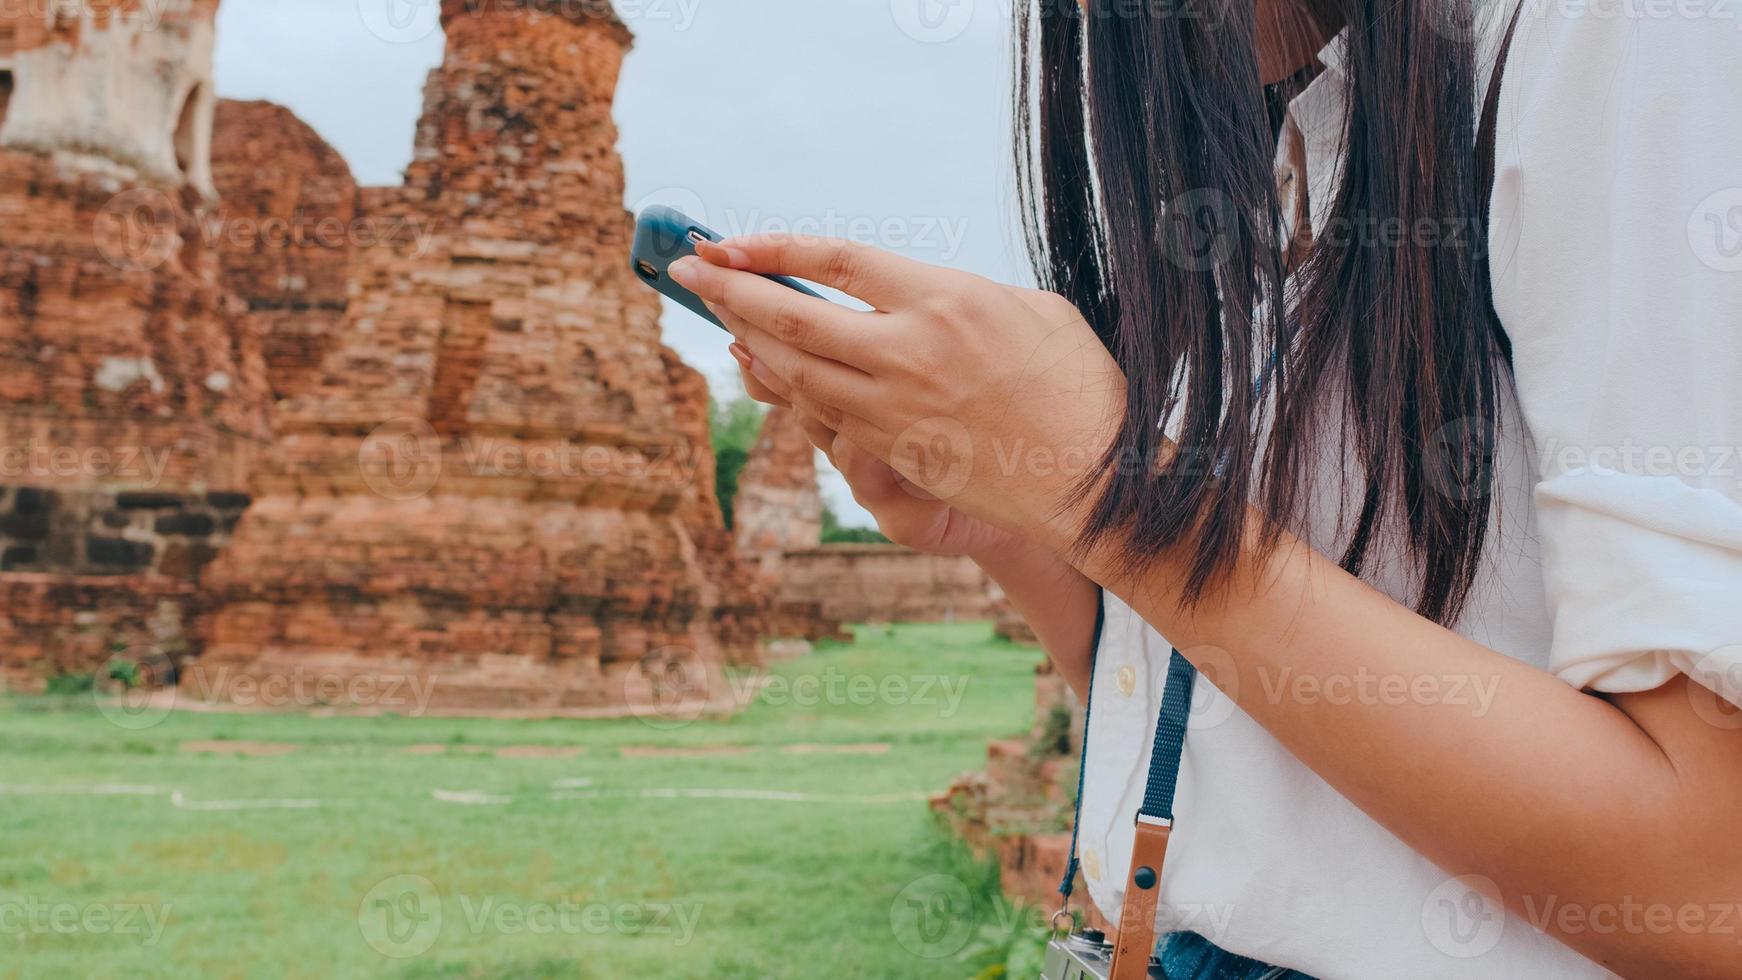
x,y
1444,505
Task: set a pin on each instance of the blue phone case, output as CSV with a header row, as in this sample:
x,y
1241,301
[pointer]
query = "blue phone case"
x,y
662,236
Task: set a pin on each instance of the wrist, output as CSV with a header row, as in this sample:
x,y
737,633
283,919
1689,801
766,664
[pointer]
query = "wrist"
x,y
998,548
1236,606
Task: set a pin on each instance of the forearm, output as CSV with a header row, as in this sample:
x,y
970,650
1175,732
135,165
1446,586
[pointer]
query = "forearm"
x,y
1058,602
1482,763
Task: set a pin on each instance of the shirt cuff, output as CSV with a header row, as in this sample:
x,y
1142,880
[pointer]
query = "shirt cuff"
x,y
1643,576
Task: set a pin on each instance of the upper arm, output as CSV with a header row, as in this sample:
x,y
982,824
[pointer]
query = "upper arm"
x,y
1617,257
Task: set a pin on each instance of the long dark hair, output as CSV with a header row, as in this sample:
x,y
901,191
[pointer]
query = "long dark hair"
x,y
1145,152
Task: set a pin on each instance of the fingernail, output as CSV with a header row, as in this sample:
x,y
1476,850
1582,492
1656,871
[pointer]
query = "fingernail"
x,y
741,354
726,255
685,270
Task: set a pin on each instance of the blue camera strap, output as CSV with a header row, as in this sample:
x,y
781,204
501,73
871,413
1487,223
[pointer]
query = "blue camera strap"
x,y
1170,739
1154,818
1164,755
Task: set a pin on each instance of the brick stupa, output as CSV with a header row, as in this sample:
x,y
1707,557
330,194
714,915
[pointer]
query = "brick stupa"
x,y
779,511
133,400
494,477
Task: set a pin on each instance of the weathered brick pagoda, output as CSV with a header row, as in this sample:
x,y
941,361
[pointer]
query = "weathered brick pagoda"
x,y
487,479
482,468
133,399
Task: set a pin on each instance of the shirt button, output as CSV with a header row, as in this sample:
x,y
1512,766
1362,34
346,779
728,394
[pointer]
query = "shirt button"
x,y
1091,865
1126,680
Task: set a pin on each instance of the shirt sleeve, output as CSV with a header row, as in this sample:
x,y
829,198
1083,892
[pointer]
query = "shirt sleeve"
x,y
1616,248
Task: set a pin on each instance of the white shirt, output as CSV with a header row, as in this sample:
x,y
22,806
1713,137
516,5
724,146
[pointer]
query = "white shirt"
x,y
1616,558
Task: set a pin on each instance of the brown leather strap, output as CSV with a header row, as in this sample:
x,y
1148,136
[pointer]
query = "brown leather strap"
x,y
1136,942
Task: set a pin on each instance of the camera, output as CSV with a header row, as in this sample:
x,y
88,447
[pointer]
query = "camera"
x,y
1085,955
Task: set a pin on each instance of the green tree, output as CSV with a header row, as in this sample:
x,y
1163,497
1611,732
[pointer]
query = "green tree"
x,y
734,427
834,533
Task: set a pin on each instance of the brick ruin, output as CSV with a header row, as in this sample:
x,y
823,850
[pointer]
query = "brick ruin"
x,y
133,398
258,420
1017,811
425,430
886,583
1008,624
816,587
487,480
291,235
778,510
778,507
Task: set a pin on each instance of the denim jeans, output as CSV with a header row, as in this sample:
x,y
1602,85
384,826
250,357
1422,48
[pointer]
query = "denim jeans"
x,y
1189,956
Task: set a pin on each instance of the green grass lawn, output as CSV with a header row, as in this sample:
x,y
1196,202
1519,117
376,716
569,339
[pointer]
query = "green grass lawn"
x,y
127,855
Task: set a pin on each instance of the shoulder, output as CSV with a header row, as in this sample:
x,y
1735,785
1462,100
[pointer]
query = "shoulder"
x,y
1624,54
1617,141
1616,251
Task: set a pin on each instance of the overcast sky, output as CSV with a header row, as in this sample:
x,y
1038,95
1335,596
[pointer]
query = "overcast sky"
x,y
883,120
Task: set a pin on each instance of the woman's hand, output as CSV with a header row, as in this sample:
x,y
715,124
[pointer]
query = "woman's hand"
x,y
905,513
1059,604
994,399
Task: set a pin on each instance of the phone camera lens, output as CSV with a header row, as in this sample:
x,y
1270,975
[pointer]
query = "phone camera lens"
x,y
647,271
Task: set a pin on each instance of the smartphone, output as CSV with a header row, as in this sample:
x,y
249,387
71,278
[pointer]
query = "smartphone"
x,y
662,236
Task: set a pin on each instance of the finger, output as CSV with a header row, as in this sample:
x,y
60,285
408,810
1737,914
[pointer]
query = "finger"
x,y
883,279
859,432
794,373
786,371
869,477
830,414
819,435
752,385
817,325
845,426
